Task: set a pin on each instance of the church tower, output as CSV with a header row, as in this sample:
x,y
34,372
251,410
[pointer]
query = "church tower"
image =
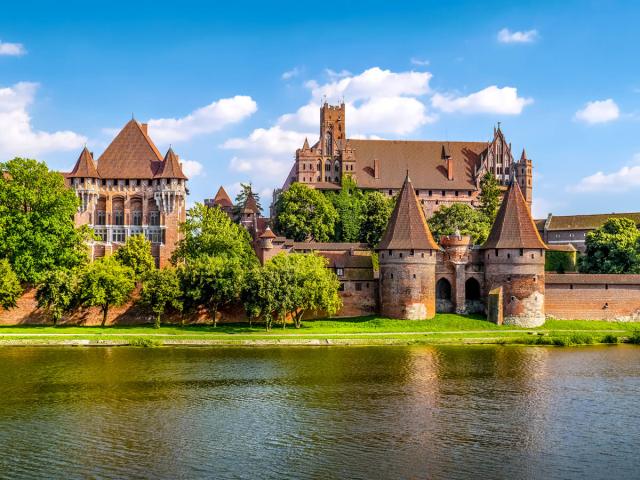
x,y
514,264
407,255
524,174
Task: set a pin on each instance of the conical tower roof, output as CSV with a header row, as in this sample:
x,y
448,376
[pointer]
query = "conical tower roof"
x,y
171,167
407,228
131,154
514,226
85,166
251,206
222,199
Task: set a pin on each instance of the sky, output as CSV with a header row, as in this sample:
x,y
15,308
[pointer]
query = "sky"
x,y
234,87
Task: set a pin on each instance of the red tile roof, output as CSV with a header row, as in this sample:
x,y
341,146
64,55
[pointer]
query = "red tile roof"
x,y
424,159
514,227
587,222
85,167
222,198
132,154
407,228
591,278
171,167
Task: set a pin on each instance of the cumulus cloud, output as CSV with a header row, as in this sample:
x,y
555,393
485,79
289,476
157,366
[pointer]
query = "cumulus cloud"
x,y
274,140
507,36
599,111
492,99
261,167
17,135
191,168
332,74
12,49
622,180
289,74
208,119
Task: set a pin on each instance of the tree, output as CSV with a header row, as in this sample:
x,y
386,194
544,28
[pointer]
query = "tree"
x,y
246,191
212,282
304,213
161,290
376,210
348,206
209,231
462,217
136,254
612,248
106,283
10,289
37,233
489,197
58,292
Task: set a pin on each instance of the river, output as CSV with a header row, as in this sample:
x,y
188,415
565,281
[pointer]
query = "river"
x,y
320,412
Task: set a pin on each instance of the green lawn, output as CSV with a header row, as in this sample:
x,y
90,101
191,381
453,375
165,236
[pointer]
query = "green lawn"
x,y
444,328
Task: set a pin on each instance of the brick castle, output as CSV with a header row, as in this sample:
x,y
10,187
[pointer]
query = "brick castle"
x,y
131,190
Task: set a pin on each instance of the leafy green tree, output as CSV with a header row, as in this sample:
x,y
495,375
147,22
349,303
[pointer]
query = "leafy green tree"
x,y
376,210
160,291
348,204
136,254
10,289
462,217
246,191
304,213
489,197
106,283
259,295
612,248
37,232
210,232
212,282
58,292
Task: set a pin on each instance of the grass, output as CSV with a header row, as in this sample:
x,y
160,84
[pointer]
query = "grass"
x,y
372,330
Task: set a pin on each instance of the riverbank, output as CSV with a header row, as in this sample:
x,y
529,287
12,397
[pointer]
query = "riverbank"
x,y
445,329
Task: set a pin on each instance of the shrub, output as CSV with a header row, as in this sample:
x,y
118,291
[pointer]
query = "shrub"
x,y
609,339
634,338
580,339
561,262
145,342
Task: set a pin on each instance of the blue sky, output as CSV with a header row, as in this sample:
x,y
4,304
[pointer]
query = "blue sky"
x,y
235,88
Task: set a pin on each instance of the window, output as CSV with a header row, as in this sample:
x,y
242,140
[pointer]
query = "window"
x,y
400,254
154,235
101,216
456,193
358,287
430,192
154,218
444,193
390,192
340,272
521,252
101,233
341,287
118,235
118,217
136,217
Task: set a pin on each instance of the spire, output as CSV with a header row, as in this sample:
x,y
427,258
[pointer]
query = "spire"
x,y
268,233
171,167
251,206
407,228
306,144
85,166
222,199
524,155
514,226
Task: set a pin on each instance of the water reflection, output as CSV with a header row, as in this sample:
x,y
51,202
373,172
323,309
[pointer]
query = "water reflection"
x,y
365,412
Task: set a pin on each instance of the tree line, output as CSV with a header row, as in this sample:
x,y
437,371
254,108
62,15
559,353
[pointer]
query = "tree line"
x,y
213,267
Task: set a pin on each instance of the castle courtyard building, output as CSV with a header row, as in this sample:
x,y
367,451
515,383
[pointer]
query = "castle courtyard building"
x,y
443,172
131,189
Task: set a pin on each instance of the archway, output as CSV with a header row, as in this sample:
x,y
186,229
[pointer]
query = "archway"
x,y
473,296
443,296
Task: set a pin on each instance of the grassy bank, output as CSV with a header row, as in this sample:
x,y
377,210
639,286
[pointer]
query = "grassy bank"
x,y
444,329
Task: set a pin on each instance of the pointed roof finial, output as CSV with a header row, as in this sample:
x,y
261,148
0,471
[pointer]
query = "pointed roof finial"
x,y
499,123
407,179
524,155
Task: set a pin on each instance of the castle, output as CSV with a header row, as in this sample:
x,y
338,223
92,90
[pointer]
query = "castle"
x,y
131,190
444,172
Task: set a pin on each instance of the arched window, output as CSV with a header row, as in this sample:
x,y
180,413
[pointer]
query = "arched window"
x,y
136,211
472,289
319,166
336,166
328,138
443,289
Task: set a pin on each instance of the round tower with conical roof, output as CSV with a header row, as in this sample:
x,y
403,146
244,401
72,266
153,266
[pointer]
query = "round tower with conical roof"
x,y
514,264
407,256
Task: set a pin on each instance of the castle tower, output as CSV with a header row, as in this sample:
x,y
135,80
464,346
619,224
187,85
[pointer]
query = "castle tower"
x,y
457,249
514,264
524,174
84,179
407,255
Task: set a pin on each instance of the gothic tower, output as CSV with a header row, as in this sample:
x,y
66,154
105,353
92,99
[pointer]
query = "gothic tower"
x,y
407,254
514,264
524,174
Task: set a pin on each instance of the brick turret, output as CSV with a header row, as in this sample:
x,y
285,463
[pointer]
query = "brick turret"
x,y
407,254
514,264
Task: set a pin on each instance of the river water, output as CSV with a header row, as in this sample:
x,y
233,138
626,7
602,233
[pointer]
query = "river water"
x,y
320,412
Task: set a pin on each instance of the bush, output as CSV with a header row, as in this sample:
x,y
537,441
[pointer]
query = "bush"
x,y
145,342
580,339
560,262
609,339
634,338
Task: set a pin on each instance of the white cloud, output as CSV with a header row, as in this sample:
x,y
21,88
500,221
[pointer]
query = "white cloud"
x,y
599,111
12,49
208,119
622,180
191,168
289,74
492,99
420,63
261,168
17,135
333,75
507,36
274,140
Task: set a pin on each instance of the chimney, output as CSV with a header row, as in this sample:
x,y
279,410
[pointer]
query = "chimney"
x,y
449,168
144,127
376,168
